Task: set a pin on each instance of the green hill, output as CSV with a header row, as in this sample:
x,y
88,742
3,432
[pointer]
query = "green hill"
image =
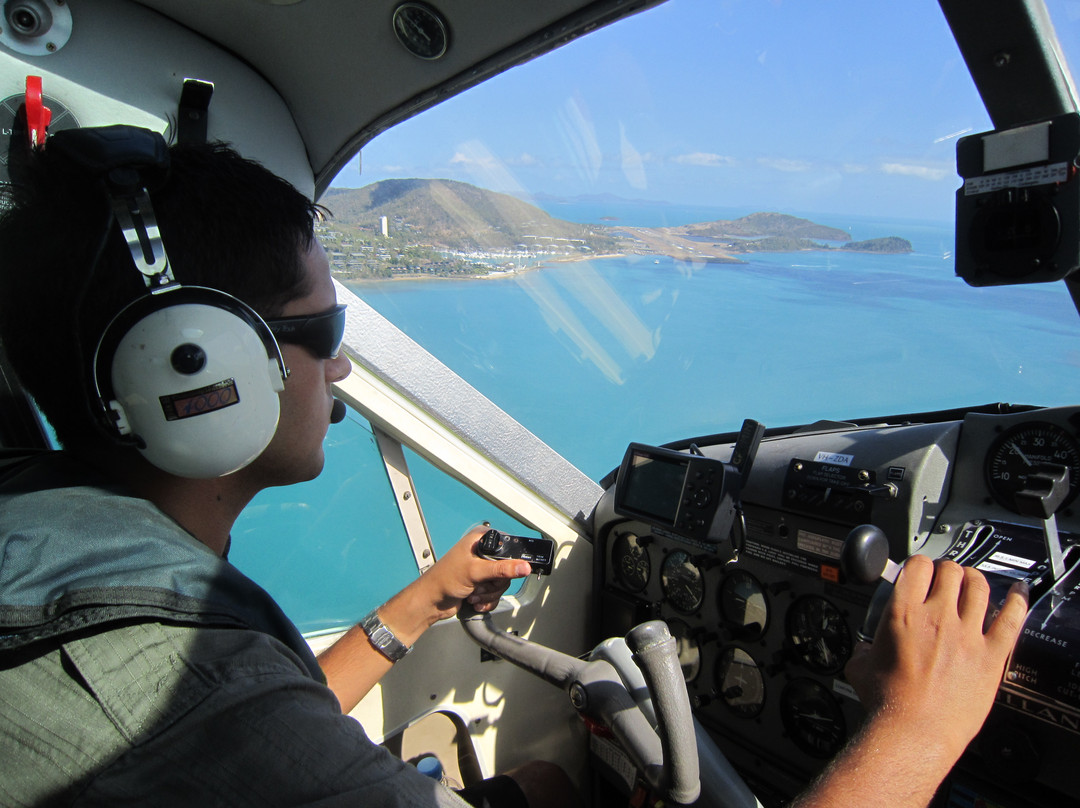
x,y
888,244
457,216
762,225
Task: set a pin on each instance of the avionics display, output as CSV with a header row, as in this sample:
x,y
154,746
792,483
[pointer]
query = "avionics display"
x,y
670,490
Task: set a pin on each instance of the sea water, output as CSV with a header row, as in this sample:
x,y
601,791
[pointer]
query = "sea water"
x,y
595,354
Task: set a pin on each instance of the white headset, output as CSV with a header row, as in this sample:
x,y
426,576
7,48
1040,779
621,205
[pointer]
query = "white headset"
x,y
192,375
189,375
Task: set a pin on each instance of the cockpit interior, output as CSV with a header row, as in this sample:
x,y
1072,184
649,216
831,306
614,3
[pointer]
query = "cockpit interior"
x,y
718,426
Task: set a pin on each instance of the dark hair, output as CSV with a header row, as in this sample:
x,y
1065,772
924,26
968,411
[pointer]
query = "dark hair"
x,y
227,223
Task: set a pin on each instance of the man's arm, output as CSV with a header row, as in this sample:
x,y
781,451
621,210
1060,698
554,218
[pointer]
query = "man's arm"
x,y
353,666
927,683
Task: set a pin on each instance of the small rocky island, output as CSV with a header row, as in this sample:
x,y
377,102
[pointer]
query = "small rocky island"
x,y
725,240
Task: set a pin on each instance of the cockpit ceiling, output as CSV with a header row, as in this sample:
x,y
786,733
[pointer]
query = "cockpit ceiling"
x,y
343,73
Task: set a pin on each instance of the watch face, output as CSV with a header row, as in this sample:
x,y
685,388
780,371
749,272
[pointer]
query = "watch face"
x,y
381,637
422,30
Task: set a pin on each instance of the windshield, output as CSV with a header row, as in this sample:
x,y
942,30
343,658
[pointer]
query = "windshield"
x,y
623,322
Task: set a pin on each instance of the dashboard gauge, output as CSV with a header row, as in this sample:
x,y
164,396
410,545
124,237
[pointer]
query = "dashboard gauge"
x,y
813,718
818,634
688,649
630,559
740,683
682,581
1015,451
743,604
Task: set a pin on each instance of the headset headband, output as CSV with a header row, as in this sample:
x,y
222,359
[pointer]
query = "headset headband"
x,y
130,161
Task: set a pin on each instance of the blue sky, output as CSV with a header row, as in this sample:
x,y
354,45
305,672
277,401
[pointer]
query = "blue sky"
x,y
831,106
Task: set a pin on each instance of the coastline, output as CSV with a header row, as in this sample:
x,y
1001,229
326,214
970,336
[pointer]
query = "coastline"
x,y
491,275
693,254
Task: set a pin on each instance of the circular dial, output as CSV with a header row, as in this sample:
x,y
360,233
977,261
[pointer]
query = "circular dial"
x,y
818,634
422,30
1016,451
740,683
813,718
62,118
682,581
743,604
630,559
688,649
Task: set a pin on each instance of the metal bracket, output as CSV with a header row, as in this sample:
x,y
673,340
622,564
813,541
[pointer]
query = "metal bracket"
x,y
397,470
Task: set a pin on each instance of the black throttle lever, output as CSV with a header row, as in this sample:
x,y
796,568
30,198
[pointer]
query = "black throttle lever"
x,y
864,559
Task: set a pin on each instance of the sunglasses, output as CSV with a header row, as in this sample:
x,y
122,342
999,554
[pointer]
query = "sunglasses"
x,y
319,333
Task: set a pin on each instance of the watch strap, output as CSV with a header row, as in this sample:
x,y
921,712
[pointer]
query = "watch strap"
x,y
382,638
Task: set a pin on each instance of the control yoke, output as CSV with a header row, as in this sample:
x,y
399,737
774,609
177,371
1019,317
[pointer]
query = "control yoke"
x,y
666,756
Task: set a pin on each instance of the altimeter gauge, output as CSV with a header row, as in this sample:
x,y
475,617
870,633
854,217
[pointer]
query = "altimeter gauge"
x,y
682,581
1016,451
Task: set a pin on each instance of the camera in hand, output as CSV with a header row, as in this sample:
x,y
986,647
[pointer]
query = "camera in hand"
x,y
540,553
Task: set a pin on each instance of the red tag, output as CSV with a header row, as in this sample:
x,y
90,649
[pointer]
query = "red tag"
x,y
37,114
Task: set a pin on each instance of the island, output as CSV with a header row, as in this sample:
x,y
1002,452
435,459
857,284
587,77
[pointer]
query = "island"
x,y
431,228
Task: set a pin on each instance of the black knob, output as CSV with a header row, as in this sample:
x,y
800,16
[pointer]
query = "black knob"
x,y
188,359
865,554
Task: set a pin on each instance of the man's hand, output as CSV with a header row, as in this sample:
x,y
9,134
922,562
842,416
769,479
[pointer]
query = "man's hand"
x,y
930,664
352,666
462,575
927,683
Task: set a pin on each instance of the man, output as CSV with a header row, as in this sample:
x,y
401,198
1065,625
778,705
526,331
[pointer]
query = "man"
x,y
131,665
137,665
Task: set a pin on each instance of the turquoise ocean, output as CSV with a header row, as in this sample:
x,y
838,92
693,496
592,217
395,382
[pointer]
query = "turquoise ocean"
x,y
592,355
595,354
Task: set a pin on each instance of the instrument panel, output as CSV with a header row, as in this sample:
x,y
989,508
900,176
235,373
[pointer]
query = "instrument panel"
x,y
765,625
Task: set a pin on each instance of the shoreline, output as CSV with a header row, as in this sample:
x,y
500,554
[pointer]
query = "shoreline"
x,y
491,275
719,257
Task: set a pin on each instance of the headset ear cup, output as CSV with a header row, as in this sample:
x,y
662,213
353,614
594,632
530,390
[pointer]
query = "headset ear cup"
x,y
194,375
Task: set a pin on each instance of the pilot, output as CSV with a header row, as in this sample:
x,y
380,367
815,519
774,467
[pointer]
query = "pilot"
x,y
136,661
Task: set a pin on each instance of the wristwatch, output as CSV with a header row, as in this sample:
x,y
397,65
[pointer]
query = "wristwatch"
x,y
384,640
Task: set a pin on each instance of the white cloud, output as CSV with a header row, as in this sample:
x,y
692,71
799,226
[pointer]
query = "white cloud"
x,y
704,159
922,172
485,169
785,164
474,157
